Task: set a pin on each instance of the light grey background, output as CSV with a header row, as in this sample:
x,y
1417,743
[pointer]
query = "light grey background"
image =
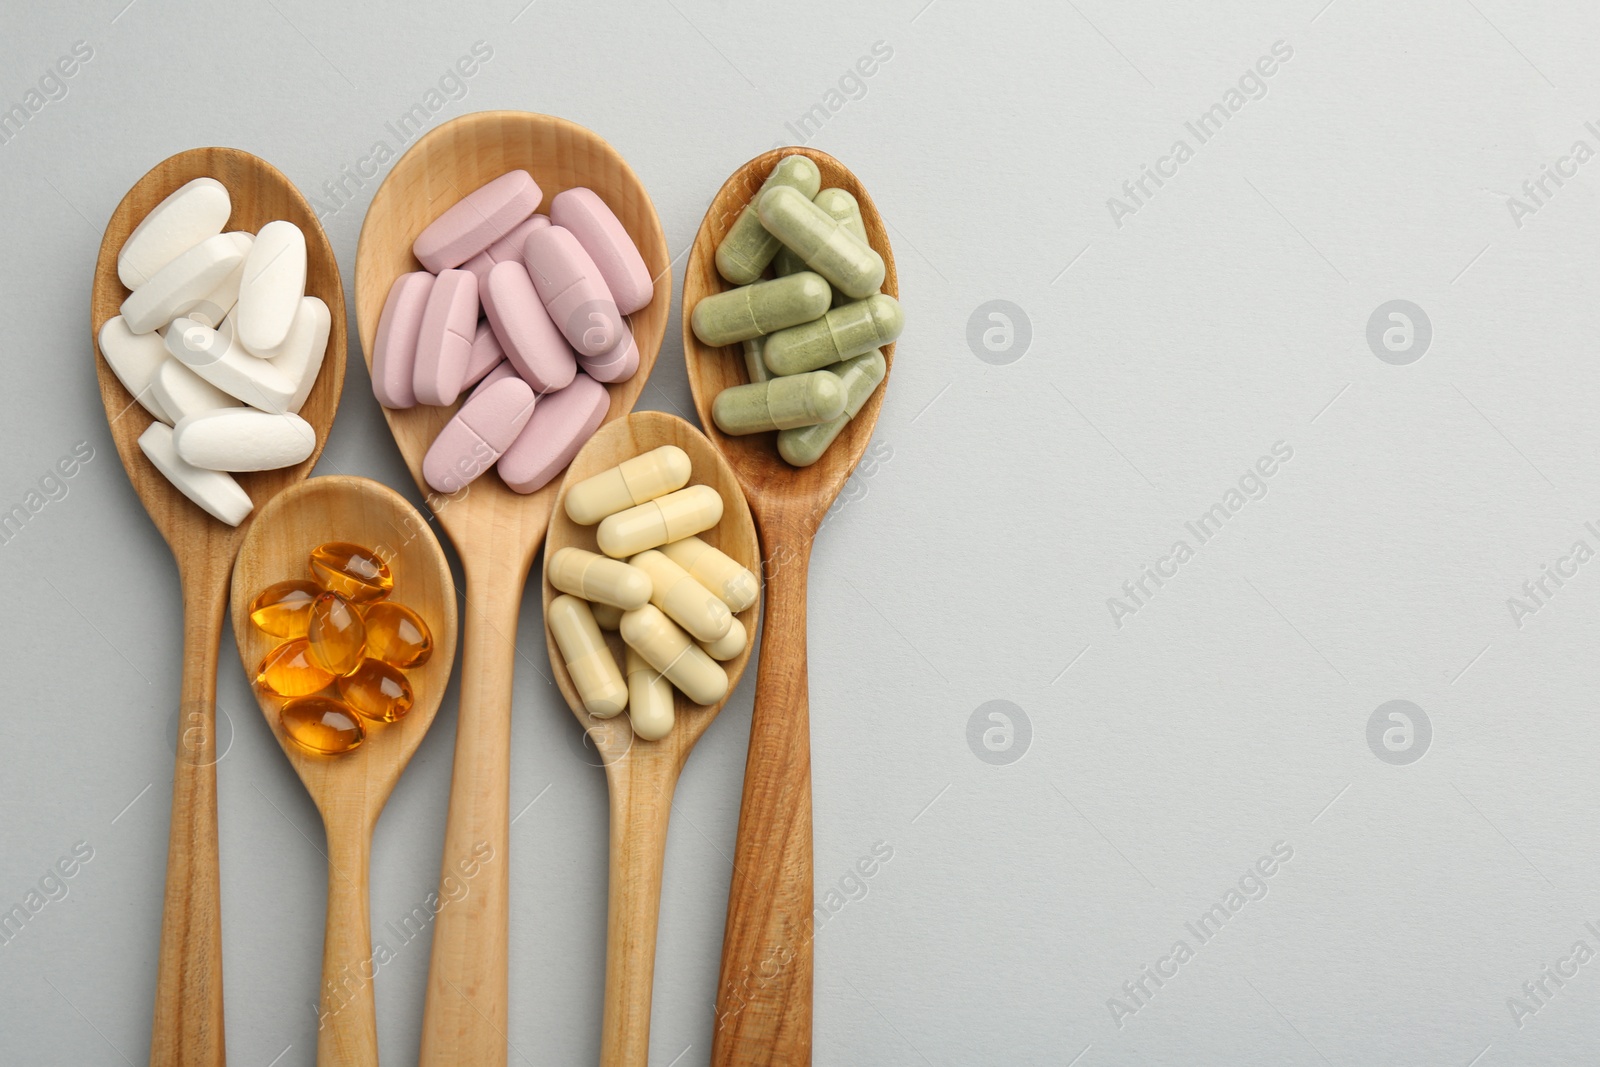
x,y
1009,502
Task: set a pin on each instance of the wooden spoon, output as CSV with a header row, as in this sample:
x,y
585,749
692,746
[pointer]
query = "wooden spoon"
x,y
643,774
188,1011
495,531
350,789
764,996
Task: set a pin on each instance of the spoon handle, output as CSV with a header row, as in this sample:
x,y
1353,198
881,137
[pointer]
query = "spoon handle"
x,y
764,994
641,806
347,1025
187,1028
464,1017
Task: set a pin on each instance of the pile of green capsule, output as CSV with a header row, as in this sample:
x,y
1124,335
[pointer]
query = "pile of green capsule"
x,y
814,330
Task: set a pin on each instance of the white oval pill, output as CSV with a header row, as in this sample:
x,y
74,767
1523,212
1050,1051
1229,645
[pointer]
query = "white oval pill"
x,y
218,357
214,491
134,358
183,283
188,216
240,439
221,300
182,392
273,283
299,358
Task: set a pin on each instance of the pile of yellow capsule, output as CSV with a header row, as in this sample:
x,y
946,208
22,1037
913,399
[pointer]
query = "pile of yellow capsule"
x,y
345,648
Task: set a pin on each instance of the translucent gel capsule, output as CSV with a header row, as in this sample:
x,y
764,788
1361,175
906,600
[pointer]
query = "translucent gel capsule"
x,y
284,608
377,691
322,725
397,635
355,573
289,671
337,637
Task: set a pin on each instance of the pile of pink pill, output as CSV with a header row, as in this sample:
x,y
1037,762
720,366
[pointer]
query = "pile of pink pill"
x,y
553,291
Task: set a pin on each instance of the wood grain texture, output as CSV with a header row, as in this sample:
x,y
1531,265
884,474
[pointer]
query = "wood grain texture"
x,y
641,774
349,790
496,532
188,1025
764,994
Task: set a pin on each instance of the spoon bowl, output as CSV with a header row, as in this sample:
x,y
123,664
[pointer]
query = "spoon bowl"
x,y
188,1025
765,1018
350,789
495,531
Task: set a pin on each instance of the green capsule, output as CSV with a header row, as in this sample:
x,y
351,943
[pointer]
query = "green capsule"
x,y
786,263
747,247
755,367
779,404
822,241
752,310
845,332
804,445
842,206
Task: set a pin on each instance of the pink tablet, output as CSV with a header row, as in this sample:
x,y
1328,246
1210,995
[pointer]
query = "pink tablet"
x,y
394,353
444,343
483,428
560,425
570,285
617,365
477,221
485,356
531,341
502,370
603,236
508,247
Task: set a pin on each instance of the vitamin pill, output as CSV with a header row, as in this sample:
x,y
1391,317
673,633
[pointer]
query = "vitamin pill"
x,y
482,429
394,353
629,484
376,690
617,365
477,221
588,659
183,283
283,609
787,262
289,671
134,358
728,645
603,236
485,356
507,247
668,649
803,446
686,602
225,297
654,523
847,331
181,392
561,423
747,248
445,338
844,207
822,241
243,439
714,569
355,573
598,578
765,307
778,404
532,342
502,371
336,635
396,635
572,290
650,701
190,214
299,358
270,289
218,358
755,367
213,491
322,725
606,616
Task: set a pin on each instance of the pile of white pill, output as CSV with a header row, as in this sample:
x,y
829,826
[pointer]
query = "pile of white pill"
x,y
671,595
553,291
219,341
813,330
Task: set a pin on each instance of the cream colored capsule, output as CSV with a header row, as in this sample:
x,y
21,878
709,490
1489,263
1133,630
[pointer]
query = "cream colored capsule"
x,y
654,523
598,579
628,484
606,616
686,602
650,702
588,660
669,650
723,575
729,644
